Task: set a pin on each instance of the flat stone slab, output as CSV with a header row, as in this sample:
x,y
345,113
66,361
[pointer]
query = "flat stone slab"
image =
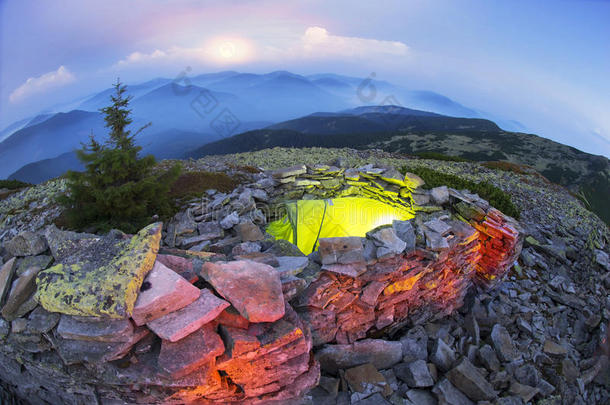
x,y
179,324
95,329
162,292
381,353
79,351
248,232
42,321
27,244
6,278
181,265
230,317
108,288
21,290
352,269
365,378
254,289
471,382
291,265
289,172
25,263
69,247
196,350
341,250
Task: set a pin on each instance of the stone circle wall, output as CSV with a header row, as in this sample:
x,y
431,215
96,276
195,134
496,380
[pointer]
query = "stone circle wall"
x,y
210,309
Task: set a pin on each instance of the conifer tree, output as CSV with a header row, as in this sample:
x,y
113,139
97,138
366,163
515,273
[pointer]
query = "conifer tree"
x,y
118,189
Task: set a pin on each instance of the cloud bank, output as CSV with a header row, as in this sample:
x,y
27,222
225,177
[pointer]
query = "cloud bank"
x,y
315,43
41,84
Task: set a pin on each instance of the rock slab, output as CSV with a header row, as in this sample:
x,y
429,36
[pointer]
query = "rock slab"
x,y
179,324
380,353
22,289
162,292
469,380
196,350
107,289
95,329
253,288
6,277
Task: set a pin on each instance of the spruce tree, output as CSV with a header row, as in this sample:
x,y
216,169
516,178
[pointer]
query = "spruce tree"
x,y
118,189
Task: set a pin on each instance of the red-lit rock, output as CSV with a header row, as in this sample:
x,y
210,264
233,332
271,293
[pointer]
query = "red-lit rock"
x,y
162,292
199,349
179,324
230,317
254,289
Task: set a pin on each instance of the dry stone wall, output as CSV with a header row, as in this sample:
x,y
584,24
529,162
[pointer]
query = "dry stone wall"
x,y
211,309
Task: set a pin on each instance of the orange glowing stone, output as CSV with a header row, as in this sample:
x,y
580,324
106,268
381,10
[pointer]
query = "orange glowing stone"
x,y
402,285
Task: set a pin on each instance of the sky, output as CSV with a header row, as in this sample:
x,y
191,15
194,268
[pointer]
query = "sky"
x,y
543,63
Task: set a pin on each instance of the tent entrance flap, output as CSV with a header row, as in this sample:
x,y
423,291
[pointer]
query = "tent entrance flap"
x,y
306,221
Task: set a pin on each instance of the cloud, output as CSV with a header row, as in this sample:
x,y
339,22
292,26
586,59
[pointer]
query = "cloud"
x,y
315,43
40,84
319,43
139,57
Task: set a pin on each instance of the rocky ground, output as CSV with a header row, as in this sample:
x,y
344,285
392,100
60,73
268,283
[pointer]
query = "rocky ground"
x,y
538,337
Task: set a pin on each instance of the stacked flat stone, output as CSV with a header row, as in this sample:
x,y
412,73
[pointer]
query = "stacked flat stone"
x,y
500,236
350,301
322,181
208,309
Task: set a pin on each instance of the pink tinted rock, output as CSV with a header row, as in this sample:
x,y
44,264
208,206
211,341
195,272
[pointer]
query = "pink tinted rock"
x,y
162,292
195,351
254,289
181,265
179,324
230,317
371,292
238,341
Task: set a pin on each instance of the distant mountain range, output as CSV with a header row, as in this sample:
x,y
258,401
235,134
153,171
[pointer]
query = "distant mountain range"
x,y
228,112
409,131
188,112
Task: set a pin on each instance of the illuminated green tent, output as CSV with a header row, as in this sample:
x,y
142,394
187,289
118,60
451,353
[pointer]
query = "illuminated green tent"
x,y
306,221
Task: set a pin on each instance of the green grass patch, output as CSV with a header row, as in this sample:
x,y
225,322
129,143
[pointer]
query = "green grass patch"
x,y
194,184
496,197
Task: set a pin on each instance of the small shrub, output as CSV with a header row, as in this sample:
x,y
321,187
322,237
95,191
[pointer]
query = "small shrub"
x,y
496,197
118,189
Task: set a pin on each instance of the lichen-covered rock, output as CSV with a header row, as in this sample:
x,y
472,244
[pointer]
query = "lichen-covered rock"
x,y
64,244
106,289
